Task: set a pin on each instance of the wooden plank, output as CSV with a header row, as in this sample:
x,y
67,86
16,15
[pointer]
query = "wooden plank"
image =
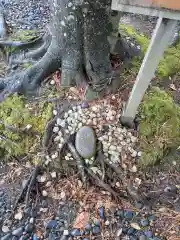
x,y
156,12
172,5
159,42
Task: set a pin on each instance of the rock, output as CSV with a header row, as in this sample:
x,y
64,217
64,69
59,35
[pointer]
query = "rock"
x,y
44,204
6,237
75,233
142,237
53,174
130,231
56,129
29,228
33,213
5,229
128,215
107,223
85,142
120,213
1,193
31,220
119,232
51,224
144,222
88,227
66,233
18,232
18,216
96,230
84,105
101,213
148,234
44,193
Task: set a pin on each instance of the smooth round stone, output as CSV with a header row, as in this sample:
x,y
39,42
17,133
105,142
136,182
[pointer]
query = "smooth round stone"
x,y
18,232
130,231
128,215
29,228
142,237
51,224
144,222
96,230
75,233
86,142
44,204
84,105
88,227
148,234
6,237
101,213
120,213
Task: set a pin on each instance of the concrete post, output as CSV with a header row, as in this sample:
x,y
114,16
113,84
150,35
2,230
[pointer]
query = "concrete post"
x,y
159,42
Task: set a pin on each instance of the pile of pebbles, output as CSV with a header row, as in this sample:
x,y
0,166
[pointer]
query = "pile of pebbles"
x,y
104,119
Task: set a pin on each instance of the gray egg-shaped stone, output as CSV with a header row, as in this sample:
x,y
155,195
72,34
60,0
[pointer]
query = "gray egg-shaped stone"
x,y
86,142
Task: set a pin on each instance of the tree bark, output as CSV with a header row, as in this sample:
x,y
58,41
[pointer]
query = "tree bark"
x,y
77,44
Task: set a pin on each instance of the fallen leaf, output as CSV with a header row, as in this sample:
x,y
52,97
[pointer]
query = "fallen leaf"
x,y
81,220
173,87
135,226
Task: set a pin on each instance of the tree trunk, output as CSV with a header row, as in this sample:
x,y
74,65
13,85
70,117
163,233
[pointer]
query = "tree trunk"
x,y
77,44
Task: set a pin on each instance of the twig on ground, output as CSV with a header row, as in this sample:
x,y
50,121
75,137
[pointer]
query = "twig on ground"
x,y
31,183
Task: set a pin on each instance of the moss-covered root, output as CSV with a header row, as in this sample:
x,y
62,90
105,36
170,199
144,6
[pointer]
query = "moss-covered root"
x,y
159,126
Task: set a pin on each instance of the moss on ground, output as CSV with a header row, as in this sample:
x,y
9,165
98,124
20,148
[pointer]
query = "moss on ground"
x,y
13,112
23,36
168,66
159,126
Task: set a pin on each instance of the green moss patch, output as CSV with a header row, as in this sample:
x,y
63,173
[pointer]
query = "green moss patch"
x,y
168,66
159,127
13,112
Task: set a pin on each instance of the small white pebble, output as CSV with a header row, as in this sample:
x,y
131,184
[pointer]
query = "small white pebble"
x,y
107,223
80,125
95,109
56,129
52,82
62,124
44,210
133,169
67,131
123,143
66,115
55,112
70,112
62,140
69,154
58,121
31,220
5,229
134,154
63,195
48,184
133,139
44,193
139,154
53,174
18,216
118,184
60,145
66,158
112,148
57,139
41,179
66,233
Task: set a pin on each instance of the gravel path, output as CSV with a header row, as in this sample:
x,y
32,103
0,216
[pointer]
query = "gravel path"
x,y
26,14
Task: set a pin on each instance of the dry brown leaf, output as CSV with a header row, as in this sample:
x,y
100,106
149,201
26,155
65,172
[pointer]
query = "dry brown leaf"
x,y
81,220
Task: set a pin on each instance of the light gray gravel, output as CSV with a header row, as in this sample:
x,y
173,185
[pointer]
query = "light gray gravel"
x,y
26,14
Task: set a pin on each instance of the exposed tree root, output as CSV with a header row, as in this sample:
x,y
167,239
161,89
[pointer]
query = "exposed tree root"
x,y
26,190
